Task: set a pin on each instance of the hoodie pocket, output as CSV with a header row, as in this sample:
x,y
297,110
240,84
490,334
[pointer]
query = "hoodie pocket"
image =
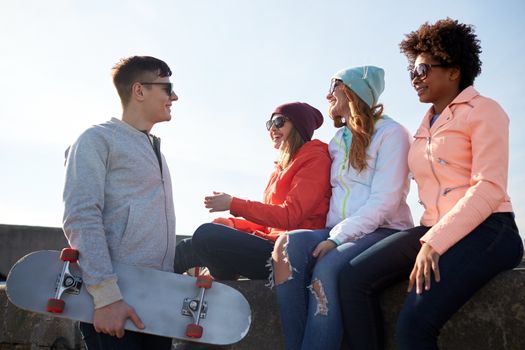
x,y
130,232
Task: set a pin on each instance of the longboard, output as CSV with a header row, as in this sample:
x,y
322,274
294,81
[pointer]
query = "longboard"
x,y
167,303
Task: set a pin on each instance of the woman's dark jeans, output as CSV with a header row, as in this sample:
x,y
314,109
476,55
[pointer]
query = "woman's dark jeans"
x,y
492,247
226,252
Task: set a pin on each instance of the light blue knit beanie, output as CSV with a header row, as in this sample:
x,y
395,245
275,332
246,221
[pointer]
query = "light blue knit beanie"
x,y
367,82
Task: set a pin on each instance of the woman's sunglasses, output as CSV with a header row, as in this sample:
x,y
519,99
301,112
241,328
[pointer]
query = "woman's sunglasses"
x,y
421,70
333,84
278,122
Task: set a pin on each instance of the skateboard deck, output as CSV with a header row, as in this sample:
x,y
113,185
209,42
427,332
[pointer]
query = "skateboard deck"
x,y
167,303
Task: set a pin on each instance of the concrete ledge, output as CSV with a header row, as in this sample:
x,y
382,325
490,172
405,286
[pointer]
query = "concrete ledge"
x,y
494,319
24,330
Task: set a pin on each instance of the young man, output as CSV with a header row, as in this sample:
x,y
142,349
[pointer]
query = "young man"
x,y
118,200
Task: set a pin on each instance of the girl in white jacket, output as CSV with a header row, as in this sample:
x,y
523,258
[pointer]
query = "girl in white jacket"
x,y
369,178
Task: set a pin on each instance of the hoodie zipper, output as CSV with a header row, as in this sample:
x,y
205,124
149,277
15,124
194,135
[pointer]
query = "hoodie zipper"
x,y
167,219
158,154
155,143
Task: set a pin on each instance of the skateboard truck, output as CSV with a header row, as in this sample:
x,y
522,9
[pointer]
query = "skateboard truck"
x,y
191,305
66,282
197,307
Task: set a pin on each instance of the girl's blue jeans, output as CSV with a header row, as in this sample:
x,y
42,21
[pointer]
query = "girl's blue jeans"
x,y
309,300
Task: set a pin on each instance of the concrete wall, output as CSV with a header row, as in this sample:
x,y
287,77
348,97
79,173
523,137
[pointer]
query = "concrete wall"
x,y
17,241
494,319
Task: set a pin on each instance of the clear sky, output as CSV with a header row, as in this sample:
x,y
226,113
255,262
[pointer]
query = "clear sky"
x,y
233,62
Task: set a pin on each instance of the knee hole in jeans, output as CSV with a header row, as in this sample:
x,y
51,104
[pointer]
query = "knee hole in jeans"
x,y
317,290
281,268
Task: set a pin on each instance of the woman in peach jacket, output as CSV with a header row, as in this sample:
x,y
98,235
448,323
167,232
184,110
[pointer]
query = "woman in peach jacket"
x,y
459,160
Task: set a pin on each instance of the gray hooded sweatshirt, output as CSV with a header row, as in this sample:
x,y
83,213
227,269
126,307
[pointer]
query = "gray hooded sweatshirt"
x,y
118,206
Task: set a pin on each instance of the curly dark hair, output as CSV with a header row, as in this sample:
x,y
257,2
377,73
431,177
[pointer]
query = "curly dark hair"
x,y
454,44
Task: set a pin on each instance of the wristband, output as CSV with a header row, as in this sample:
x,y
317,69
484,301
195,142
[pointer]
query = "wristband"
x,y
337,243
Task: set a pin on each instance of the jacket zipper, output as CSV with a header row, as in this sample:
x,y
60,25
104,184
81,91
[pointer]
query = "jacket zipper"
x,y
345,200
444,162
429,154
450,189
347,190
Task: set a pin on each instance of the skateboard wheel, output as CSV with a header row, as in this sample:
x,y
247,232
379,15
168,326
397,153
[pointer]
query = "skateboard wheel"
x,y
69,254
194,331
55,306
204,281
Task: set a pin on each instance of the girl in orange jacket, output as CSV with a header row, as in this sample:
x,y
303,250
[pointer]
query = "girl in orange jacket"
x,y
459,160
297,196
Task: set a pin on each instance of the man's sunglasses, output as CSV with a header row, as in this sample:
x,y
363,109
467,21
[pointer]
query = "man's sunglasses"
x,y
278,122
168,87
421,70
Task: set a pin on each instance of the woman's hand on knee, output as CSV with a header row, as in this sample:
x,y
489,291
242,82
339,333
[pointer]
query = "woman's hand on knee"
x,y
323,248
427,262
223,221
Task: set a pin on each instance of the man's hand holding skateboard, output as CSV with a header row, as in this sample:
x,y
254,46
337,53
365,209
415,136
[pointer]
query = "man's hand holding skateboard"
x,y
111,318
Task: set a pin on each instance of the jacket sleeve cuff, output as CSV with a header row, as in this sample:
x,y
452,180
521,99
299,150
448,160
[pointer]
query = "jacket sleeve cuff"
x,y
337,235
105,293
335,240
236,206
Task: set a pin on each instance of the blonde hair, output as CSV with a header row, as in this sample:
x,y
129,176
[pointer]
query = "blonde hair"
x,y
289,148
361,124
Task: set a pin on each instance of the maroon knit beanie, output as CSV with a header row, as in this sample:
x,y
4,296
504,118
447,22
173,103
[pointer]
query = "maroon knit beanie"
x,y
304,117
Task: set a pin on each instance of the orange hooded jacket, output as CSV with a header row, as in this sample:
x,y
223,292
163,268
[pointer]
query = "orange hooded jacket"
x,y
295,198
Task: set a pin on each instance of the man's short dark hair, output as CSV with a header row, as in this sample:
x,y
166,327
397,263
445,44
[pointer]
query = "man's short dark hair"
x,y
136,69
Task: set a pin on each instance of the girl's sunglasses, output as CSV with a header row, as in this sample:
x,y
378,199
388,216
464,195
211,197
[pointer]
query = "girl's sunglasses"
x,y
333,84
277,121
421,70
